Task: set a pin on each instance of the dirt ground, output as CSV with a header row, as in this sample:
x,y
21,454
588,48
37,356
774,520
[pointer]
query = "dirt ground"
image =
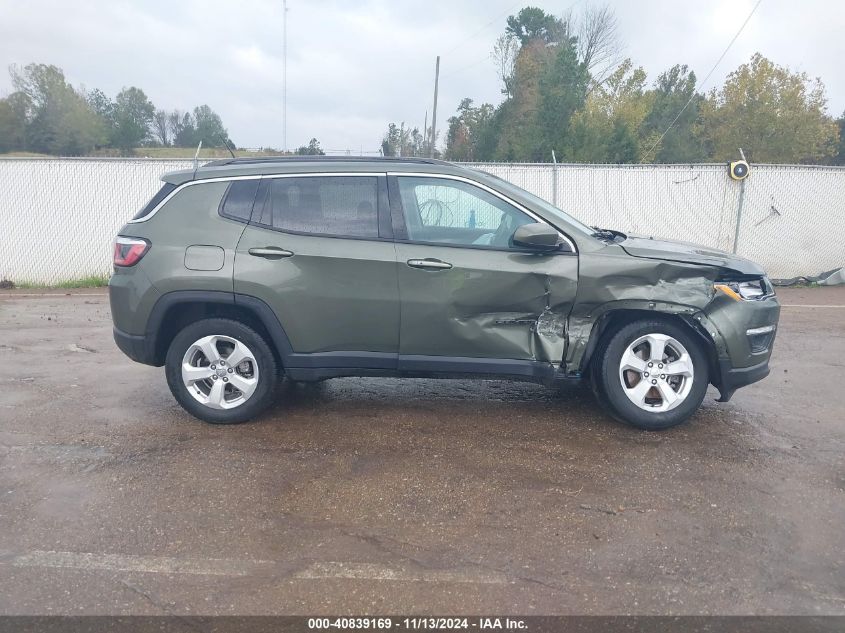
x,y
388,496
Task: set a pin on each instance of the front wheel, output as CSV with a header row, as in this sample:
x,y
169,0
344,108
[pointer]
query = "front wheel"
x,y
221,371
652,374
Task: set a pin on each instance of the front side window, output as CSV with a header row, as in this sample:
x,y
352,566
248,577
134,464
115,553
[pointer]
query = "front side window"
x,y
448,211
344,206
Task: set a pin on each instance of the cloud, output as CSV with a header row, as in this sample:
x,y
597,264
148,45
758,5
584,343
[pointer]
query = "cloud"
x,y
353,67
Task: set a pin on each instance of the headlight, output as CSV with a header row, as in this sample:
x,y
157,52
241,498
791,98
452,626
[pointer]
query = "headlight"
x,y
752,290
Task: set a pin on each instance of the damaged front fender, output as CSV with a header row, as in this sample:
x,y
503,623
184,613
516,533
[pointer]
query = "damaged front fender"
x,y
612,282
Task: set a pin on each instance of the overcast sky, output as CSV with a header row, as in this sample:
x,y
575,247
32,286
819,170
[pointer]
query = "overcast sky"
x,y
355,66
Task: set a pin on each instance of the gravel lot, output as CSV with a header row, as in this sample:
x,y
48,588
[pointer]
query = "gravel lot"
x,y
412,496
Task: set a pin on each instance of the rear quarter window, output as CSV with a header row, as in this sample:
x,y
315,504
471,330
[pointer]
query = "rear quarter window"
x,y
238,200
165,191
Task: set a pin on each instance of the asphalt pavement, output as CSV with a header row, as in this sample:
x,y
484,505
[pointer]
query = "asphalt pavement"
x,y
374,496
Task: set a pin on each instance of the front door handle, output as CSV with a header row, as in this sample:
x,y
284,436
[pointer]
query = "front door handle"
x,y
271,252
429,264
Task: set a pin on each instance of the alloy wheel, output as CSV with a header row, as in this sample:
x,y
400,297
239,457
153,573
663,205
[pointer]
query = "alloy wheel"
x,y
219,372
656,372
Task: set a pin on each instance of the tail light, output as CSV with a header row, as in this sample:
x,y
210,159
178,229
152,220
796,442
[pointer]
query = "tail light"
x,y
128,251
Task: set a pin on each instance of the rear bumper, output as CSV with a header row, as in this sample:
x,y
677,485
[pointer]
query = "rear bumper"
x,y
135,346
732,378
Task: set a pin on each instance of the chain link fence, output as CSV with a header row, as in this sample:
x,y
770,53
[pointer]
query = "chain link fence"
x,y
58,216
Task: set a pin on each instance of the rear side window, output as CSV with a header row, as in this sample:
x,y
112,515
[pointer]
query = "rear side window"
x,y
165,191
323,205
237,203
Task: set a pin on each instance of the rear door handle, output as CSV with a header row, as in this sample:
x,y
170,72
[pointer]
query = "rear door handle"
x,y
271,252
429,264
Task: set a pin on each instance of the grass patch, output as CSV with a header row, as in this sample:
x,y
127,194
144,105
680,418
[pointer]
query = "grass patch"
x,y
91,281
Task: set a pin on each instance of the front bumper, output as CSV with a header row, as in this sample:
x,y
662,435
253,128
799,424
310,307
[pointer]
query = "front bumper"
x,y
732,378
742,351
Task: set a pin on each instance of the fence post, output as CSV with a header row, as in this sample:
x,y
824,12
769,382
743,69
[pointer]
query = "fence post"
x,y
554,179
739,213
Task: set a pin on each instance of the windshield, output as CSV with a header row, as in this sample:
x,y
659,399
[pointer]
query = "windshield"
x,y
544,206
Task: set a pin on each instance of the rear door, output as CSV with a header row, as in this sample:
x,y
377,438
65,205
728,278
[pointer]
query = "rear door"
x,y
317,253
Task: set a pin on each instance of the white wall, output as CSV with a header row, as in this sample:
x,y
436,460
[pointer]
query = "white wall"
x,y
59,216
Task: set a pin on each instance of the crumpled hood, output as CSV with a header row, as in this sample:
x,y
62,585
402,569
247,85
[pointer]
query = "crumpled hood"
x,y
638,246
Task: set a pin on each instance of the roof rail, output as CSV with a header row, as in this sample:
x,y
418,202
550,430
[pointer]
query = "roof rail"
x,y
338,159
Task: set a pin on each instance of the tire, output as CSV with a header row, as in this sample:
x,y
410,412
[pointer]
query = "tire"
x,y
248,388
626,385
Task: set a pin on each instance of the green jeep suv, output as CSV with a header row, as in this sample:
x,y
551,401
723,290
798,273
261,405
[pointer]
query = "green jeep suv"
x,y
244,271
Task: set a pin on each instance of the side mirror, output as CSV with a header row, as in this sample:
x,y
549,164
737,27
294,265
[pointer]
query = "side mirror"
x,y
537,236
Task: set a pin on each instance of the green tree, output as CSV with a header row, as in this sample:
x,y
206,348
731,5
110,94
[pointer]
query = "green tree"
x,y
390,142
101,104
469,130
312,149
209,127
775,115
13,110
182,129
402,141
519,135
839,158
682,143
532,23
563,91
58,118
606,129
133,115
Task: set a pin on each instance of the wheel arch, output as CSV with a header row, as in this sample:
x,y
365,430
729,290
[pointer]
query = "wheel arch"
x,y
615,318
175,310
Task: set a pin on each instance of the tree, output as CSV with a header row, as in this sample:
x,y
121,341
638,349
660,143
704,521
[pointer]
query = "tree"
x,y
390,141
673,90
504,54
468,132
312,149
58,118
182,130
532,23
839,158
133,115
209,127
13,111
161,127
101,104
520,135
402,141
775,115
606,129
563,91
599,44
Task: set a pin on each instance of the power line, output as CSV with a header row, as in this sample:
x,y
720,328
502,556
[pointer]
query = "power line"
x,y
463,68
718,61
482,29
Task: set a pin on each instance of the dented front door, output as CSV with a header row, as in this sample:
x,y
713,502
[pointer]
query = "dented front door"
x,y
479,300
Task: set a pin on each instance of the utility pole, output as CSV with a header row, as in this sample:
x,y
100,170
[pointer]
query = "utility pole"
x,y
434,112
285,75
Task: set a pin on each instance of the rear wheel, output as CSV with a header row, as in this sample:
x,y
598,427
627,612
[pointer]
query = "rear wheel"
x,y
221,371
652,374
